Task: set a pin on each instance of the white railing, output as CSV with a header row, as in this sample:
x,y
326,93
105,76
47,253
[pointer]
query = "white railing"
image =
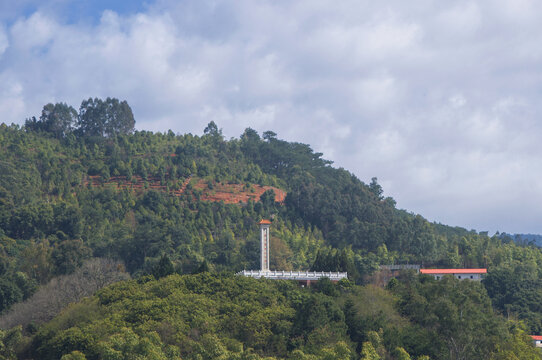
x,y
294,275
400,267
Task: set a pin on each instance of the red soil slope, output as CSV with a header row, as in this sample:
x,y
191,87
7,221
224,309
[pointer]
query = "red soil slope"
x,y
229,193
235,193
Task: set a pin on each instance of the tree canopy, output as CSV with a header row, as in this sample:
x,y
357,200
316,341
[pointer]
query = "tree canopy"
x,y
79,186
96,117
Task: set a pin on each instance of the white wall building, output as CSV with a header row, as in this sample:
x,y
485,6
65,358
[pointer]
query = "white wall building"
x,y
461,274
537,339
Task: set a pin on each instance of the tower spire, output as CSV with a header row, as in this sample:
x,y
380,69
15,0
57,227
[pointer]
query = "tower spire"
x,y
264,244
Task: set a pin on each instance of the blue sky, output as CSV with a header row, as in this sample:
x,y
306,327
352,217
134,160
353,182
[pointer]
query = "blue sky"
x,y
69,11
439,100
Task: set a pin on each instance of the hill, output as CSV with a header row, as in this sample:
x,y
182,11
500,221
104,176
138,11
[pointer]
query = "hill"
x,y
221,316
162,203
523,239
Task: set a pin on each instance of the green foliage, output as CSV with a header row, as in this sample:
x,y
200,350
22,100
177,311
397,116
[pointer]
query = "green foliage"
x,y
204,267
69,255
126,345
190,315
324,207
74,355
96,118
212,130
335,260
9,340
10,293
209,316
458,312
401,354
105,118
368,352
517,346
339,351
164,268
214,316
515,285
58,119
74,186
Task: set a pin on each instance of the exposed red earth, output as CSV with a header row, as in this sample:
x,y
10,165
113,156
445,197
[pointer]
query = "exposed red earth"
x,y
229,193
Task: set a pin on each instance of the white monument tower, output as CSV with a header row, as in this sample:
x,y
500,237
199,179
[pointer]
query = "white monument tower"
x,y
304,277
264,244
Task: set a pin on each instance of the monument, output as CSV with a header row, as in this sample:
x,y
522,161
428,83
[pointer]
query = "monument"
x,y
304,277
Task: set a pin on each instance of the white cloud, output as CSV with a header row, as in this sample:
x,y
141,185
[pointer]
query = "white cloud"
x,y
36,31
11,101
458,101
438,100
376,92
461,20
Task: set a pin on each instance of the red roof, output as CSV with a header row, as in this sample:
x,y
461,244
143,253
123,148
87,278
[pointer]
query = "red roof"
x,y
536,337
264,222
453,271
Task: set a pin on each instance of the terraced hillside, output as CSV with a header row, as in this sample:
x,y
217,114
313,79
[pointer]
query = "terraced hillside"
x,y
210,190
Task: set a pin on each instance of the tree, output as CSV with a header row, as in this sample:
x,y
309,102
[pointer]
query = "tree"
x,y
270,135
50,299
368,352
280,256
326,286
105,118
74,355
8,342
69,255
518,346
58,119
401,354
120,119
250,135
212,129
375,188
268,199
127,345
36,261
250,144
92,117
163,268
213,136
459,312
9,294
338,352
204,267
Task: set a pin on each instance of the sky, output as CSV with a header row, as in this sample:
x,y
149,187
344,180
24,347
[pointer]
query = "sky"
x,y
441,101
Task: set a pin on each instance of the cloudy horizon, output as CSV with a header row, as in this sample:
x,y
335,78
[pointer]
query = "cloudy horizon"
x,y
439,101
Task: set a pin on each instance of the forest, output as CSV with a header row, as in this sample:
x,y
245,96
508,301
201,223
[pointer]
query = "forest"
x,y
125,243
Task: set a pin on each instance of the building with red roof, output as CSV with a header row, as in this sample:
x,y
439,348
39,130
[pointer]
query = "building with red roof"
x,y
537,339
471,274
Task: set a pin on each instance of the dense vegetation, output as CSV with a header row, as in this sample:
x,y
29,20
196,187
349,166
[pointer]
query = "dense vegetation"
x,y
523,239
75,186
222,316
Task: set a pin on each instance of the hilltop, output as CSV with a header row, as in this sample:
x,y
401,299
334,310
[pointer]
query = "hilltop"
x,y
523,239
79,186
